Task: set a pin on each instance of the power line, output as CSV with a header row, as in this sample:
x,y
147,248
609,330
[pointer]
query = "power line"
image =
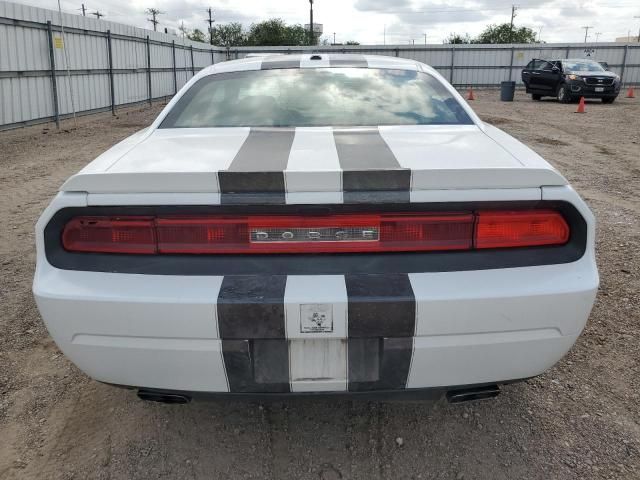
x,y
154,12
210,22
514,8
311,42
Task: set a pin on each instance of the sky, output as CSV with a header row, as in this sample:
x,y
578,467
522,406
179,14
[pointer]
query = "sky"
x,y
384,21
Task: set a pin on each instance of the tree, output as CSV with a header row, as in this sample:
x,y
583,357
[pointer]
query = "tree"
x,y
196,35
274,32
502,34
351,42
456,38
229,34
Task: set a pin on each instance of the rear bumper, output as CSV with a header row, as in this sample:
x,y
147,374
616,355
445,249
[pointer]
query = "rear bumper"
x,y
454,394
471,327
245,335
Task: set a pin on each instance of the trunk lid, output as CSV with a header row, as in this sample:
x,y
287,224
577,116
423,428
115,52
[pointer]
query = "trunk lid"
x,y
320,162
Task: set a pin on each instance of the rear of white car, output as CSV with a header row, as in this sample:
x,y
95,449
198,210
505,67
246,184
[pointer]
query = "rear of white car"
x,y
198,257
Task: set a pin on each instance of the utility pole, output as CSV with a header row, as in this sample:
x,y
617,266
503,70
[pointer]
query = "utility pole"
x,y
384,35
84,10
539,34
598,36
97,14
334,38
183,29
514,8
154,12
638,16
311,42
425,38
210,22
586,32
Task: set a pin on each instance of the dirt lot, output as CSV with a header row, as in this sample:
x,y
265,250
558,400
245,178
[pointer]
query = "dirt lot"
x,y
579,420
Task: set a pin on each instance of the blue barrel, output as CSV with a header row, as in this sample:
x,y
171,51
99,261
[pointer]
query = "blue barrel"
x,y
507,91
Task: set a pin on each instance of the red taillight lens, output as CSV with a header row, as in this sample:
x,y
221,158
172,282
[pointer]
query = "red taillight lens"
x,y
110,235
262,234
326,234
520,229
202,235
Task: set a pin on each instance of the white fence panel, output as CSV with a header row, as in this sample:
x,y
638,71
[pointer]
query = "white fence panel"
x,y
140,58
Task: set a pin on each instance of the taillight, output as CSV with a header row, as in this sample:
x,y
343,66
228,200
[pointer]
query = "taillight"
x,y
264,234
507,229
110,235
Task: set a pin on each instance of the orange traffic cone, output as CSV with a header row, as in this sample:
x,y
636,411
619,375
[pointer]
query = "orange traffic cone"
x,y
631,93
470,95
581,106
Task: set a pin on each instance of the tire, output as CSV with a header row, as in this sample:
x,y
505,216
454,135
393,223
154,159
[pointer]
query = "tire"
x,y
563,94
609,100
536,97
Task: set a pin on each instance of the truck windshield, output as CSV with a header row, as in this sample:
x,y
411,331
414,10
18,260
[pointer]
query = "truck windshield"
x,y
582,66
316,97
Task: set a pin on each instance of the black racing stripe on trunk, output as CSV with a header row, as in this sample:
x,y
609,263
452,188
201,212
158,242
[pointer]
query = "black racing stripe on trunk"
x,y
388,186
251,307
357,61
271,63
363,149
379,363
369,166
380,306
252,199
257,366
259,165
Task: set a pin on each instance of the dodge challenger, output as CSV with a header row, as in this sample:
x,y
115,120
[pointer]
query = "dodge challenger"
x,y
316,224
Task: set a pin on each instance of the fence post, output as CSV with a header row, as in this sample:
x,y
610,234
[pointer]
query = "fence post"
x,y
193,68
511,63
113,97
149,70
453,58
175,75
213,58
54,83
624,64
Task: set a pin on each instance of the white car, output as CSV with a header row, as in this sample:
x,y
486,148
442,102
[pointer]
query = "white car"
x,y
299,224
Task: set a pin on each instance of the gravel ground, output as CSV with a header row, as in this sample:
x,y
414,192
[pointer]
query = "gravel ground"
x,y
579,420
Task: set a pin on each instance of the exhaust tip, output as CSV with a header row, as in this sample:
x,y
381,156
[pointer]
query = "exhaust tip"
x,y
475,393
159,397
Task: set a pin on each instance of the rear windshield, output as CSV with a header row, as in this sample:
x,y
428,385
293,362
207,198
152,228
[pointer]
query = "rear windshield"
x,y
316,97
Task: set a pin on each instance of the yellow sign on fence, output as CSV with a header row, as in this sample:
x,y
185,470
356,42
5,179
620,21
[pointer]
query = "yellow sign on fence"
x,y
57,42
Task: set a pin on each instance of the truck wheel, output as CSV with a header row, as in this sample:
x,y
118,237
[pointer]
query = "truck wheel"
x,y
563,94
535,96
